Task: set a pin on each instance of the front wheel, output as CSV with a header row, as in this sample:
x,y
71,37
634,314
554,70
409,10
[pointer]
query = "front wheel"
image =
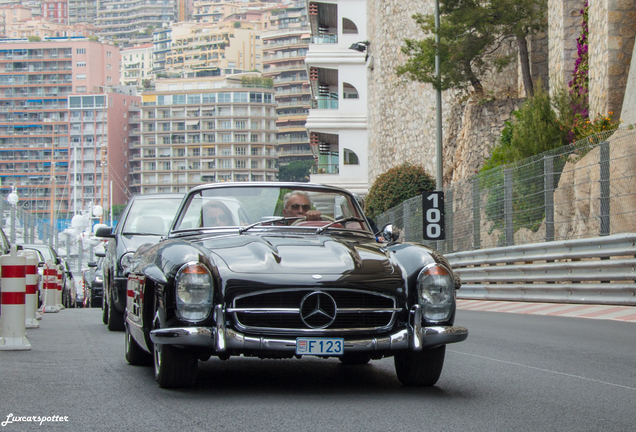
x,y
420,368
115,318
105,311
135,355
174,367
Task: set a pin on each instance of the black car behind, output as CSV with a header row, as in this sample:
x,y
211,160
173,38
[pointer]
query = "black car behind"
x,y
145,219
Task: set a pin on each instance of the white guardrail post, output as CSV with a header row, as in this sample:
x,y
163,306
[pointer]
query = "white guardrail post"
x,y
31,297
12,329
598,270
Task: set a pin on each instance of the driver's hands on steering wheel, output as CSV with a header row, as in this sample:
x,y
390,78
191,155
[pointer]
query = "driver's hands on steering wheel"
x,y
313,215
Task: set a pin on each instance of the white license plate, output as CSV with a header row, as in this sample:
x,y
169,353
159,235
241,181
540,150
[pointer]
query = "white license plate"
x,y
320,346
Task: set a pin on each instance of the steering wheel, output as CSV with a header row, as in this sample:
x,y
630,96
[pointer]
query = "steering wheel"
x,y
323,217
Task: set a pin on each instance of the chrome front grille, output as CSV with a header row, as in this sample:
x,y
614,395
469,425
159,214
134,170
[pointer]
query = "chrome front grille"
x,y
314,310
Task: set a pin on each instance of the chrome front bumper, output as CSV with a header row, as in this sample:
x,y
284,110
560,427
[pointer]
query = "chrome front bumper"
x,y
221,339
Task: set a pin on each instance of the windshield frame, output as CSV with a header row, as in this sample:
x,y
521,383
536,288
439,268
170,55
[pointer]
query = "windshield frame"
x,y
330,200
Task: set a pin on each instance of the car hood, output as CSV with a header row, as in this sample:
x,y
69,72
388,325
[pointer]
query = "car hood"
x,y
315,254
131,242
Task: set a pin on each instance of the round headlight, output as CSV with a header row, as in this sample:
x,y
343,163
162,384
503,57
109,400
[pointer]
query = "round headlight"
x,y
126,260
194,291
436,292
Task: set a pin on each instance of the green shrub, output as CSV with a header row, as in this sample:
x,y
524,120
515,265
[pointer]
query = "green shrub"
x,y
397,185
536,128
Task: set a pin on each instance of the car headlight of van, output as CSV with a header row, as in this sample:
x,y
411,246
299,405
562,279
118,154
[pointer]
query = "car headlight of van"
x,y
436,292
194,292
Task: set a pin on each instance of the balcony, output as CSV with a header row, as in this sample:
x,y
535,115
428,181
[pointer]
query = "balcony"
x,y
325,102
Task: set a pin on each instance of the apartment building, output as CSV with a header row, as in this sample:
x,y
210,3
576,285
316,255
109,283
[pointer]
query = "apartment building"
x,y
136,65
161,46
214,11
192,131
41,123
82,11
55,11
196,47
132,21
285,45
19,22
337,121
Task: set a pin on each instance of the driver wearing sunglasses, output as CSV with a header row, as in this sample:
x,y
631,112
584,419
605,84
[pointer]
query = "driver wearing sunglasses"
x,y
298,204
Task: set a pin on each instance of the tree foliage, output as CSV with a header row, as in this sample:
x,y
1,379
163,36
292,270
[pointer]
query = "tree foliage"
x,y
296,171
257,81
470,32
396,186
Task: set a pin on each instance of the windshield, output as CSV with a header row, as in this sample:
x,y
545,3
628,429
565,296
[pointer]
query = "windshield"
x,y
43,251
151,216
267,206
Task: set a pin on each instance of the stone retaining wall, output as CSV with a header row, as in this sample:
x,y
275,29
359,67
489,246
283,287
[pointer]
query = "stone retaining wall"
x,y
401,113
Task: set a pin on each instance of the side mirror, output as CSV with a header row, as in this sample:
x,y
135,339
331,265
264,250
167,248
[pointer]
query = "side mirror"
x,y
104,231
391,233
100,254
92,264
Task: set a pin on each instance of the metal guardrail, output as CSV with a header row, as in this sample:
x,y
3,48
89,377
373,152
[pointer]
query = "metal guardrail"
x,y
598,270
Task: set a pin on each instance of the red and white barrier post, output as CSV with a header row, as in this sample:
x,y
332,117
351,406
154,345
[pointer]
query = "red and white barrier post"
x,y
60,299
50,288
31,297
12,330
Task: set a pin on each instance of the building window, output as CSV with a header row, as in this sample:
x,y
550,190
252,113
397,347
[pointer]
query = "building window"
x,y
240,97
226,137
80,89
256,97
253,138
80,51
240,124
80,76
226,124
240,164
241,151
254,164
240,137
80,64
225,97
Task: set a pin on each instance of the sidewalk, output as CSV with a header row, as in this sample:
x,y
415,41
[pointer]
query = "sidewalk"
x,y
609,312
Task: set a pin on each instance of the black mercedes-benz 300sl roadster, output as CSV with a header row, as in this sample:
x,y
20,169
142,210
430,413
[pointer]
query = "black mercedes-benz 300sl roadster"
x,y
282,270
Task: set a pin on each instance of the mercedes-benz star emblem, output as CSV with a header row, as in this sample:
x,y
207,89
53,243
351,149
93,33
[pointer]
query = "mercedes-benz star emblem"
x,y
318,310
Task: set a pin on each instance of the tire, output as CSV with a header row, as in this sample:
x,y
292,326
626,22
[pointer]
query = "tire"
x,y
174,368
420,368
135,355
355,359
105,311
115,319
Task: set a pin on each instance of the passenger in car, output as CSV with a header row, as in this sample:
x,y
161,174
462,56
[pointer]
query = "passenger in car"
x,y
215,214
298,204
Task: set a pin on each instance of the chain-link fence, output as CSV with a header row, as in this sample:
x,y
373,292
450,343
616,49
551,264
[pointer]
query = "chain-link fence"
x,y
583,190
23,227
